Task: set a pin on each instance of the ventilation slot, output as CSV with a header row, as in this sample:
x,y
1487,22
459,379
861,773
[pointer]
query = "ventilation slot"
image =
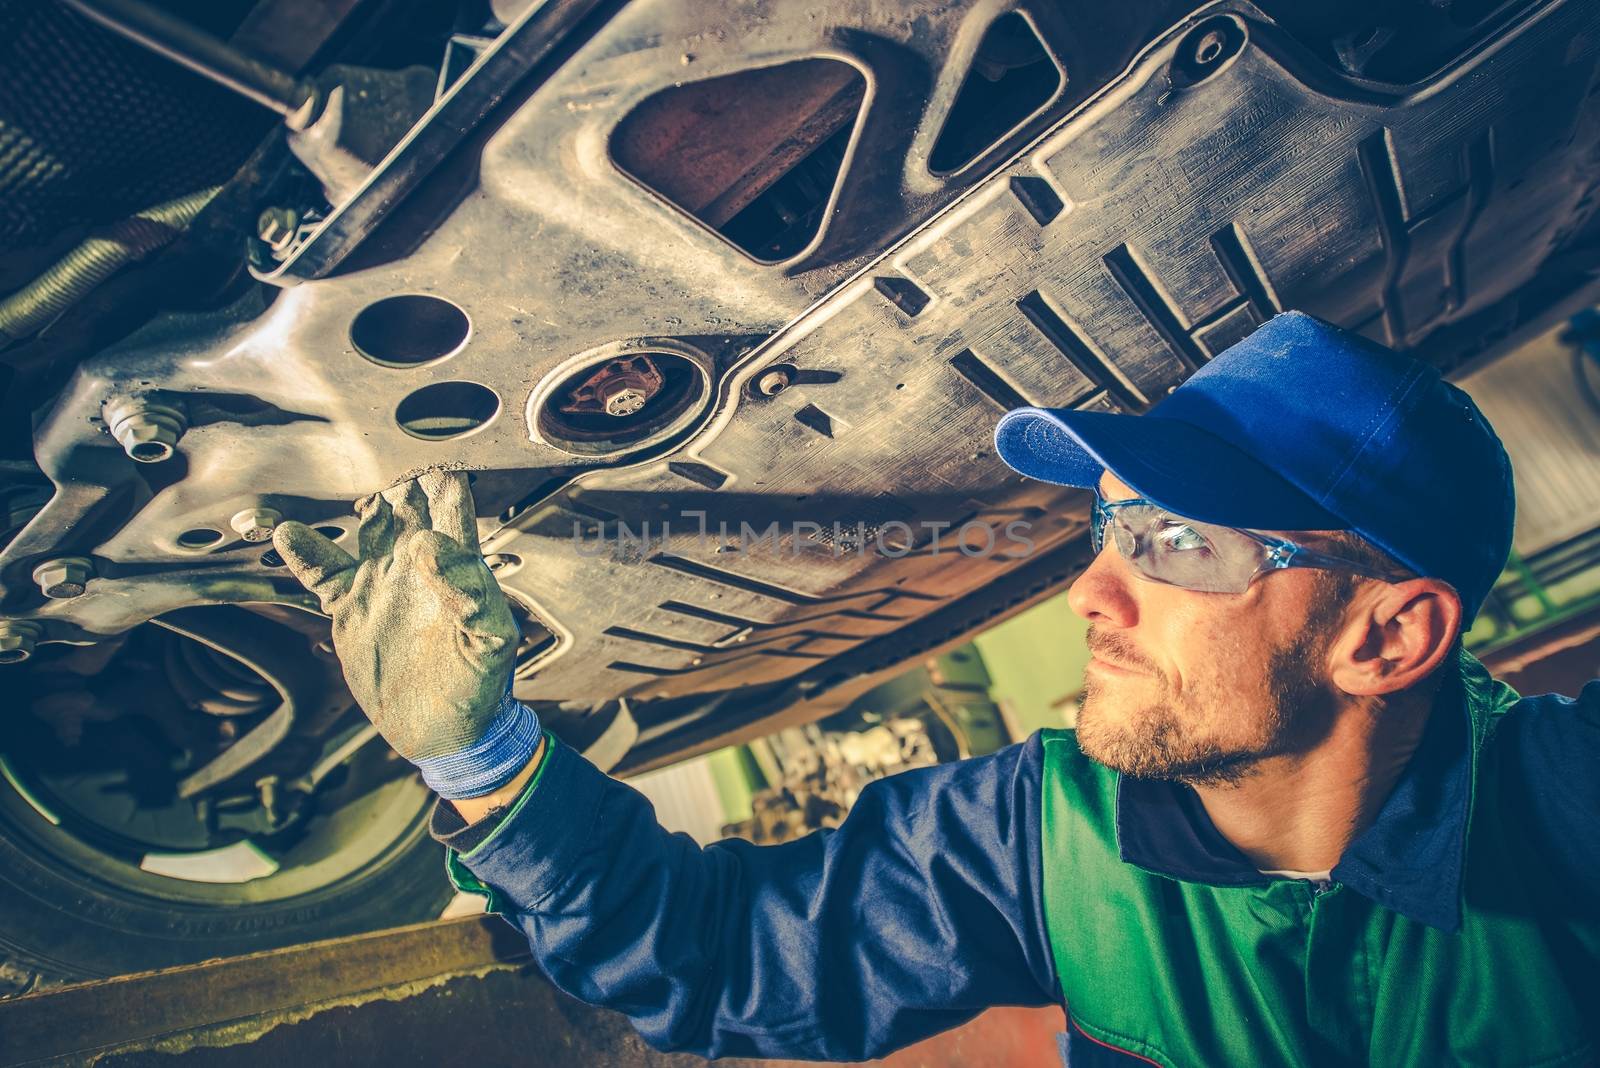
x,y
1037,197
703,474
1146,296
754,155
903,294
819,420
988,380
1011,80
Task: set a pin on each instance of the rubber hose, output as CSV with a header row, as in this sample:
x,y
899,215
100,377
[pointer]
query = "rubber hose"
x,y
69,279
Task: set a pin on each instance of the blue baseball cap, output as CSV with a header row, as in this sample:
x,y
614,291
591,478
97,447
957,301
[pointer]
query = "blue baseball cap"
x,y
1303,426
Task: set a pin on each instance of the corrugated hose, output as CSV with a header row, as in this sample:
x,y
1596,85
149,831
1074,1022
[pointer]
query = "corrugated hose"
x,y
34,306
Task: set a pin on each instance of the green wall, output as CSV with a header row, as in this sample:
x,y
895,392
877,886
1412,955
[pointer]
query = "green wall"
x,y
1036,661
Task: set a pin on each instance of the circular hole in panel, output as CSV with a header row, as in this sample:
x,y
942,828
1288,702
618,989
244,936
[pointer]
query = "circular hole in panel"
x,y
670,392
332,533
1203,52
503,564
409,330
270,558
447,410
774,380
1209,47
199,538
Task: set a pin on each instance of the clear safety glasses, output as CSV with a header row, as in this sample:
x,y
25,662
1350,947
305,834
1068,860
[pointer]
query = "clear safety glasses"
x,y
1168,548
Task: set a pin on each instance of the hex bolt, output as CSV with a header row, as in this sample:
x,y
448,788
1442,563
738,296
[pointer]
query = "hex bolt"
x,y
147,431
17,639
773,382
255,524
64,577
277,228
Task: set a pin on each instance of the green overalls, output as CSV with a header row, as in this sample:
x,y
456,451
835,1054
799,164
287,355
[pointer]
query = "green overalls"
x,y
1191,973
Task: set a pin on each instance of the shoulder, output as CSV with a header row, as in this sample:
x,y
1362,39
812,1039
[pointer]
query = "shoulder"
x,y
1565,728
1547,753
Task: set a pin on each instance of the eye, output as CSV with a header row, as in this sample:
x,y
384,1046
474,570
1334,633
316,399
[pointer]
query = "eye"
x,y
1181,537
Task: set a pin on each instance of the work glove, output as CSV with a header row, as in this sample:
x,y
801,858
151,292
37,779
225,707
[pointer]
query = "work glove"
x,y
424,635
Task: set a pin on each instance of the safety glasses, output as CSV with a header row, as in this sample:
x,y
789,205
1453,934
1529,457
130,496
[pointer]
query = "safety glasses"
x,y
1165,547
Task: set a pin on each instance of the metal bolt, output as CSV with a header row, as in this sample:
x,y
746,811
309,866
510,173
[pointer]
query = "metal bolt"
x,y
147,431
277,228
773,382
255,524
63,578
267,790
625,401
17,639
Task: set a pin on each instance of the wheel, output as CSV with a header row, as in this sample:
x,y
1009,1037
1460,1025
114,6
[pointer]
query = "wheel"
x,y
105,869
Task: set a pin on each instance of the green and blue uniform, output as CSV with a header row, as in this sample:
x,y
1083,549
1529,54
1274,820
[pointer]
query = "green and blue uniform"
x,y
1461,927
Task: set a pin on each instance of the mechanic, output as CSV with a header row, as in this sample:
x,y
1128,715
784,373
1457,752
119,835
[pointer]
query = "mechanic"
x,y
1296,823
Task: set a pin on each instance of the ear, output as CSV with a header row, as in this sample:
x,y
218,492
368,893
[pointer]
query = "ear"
x,y
1396,634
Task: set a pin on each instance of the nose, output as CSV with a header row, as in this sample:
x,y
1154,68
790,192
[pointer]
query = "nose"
x,y
1104,593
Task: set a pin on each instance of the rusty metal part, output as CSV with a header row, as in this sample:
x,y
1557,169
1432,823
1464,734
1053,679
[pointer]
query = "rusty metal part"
x,y
621,387
712,150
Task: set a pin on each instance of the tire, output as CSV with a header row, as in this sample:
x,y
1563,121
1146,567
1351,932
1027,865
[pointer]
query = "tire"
x,y
67,914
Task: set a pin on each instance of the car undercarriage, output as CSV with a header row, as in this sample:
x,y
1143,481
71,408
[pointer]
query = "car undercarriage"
x,y
718,305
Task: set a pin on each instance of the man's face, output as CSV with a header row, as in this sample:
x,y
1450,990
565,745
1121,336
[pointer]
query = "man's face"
x,y
1200,687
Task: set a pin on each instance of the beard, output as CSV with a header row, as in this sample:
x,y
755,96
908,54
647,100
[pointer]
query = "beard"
x,y
1166,738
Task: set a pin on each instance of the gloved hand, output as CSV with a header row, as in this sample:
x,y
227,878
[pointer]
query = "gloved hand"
x,y
424,635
